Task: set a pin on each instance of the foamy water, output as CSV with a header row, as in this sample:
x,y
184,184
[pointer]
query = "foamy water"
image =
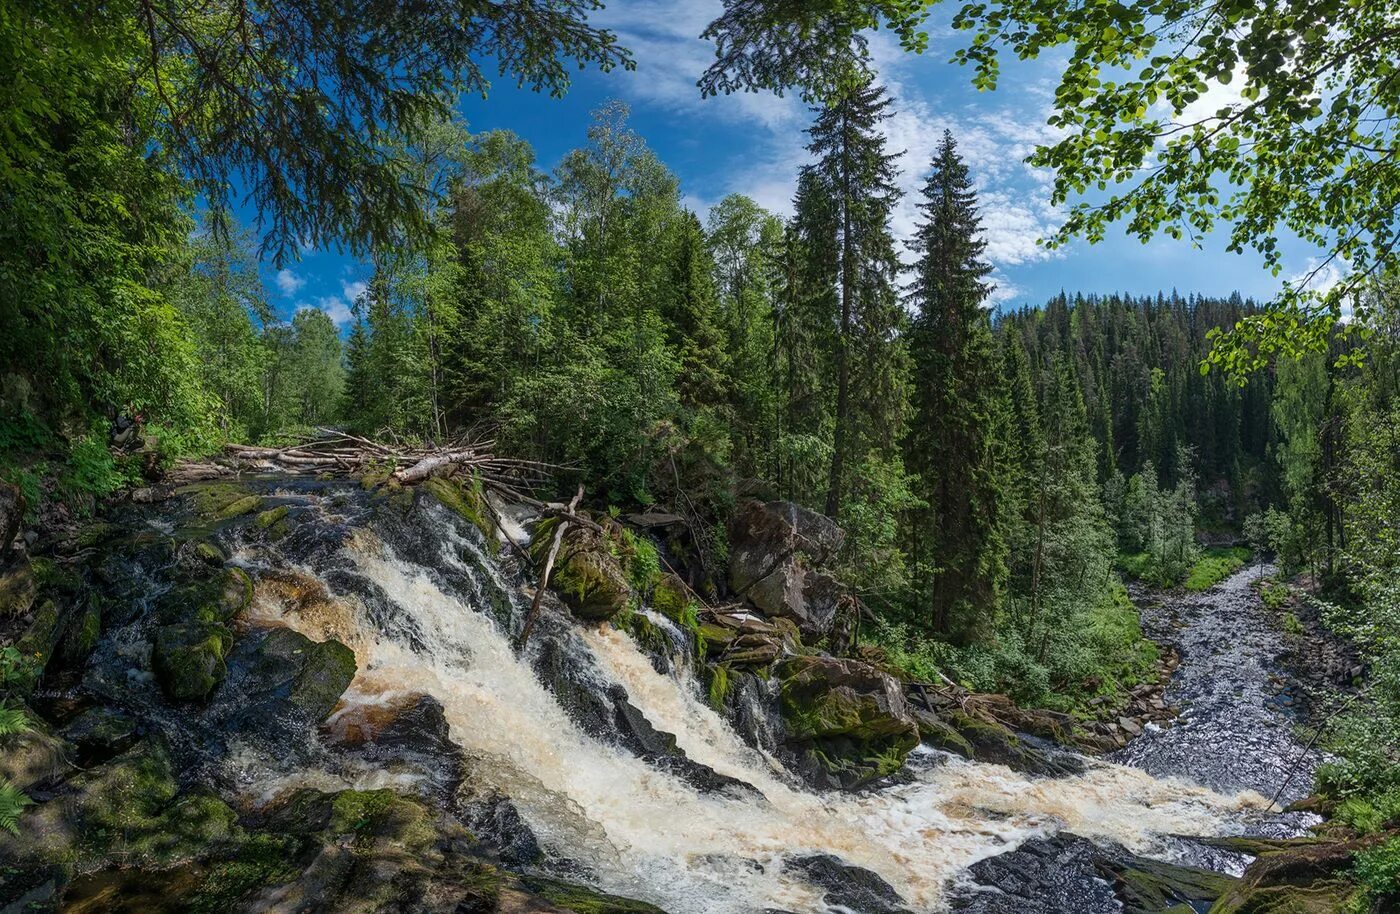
x,y
647,834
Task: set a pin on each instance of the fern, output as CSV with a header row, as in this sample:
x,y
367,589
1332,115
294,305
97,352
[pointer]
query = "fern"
x,y
13,721
12,804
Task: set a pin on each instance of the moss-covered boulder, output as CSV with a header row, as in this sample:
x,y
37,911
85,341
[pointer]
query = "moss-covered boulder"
x,y
12,510
18,590
81,634
221,501
583,900
37,645
1304,876
586,575
188,658
281,678
848,721
274,522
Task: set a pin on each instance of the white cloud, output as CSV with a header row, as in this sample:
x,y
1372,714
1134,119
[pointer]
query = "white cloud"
x,y
289,282
339,307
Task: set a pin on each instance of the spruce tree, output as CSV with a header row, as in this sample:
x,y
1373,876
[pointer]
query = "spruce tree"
x,y
956,540
854,178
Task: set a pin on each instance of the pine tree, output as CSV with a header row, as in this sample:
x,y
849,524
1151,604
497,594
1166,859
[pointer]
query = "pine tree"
x,y
855,179
956,541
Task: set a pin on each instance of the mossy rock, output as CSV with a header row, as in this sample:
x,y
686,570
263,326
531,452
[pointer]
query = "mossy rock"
x,y
286,676
275,522
1325,897
582,900
720,684
671,598
19,587
938,733
586,576
235,593
1151,887
37,645
220,501
210,553
217,599
849,721
81,635
189,658
467,501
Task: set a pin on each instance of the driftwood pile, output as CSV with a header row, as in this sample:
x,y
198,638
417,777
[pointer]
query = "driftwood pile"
x,y
339,452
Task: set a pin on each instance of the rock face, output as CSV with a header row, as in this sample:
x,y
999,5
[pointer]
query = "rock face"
x,y
11,517
848,721
776,552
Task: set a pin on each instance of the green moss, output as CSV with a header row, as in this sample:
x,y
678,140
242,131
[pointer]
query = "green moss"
x,y
640,561
218,500
591,584
210,553
720,684
36,646
583,900
942,735
259,861
275,522
467,501
189,658
670,598
18,590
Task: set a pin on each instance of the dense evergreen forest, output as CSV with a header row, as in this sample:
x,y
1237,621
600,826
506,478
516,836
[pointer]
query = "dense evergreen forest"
x,y
1001,474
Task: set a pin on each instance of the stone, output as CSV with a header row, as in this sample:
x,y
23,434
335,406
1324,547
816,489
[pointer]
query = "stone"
x,y
586,576
18,590
12,509
282,676
189,658
849,721
1130,726
849,888
776,552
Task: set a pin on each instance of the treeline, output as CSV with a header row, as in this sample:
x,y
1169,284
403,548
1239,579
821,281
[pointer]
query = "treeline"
x,y
988,472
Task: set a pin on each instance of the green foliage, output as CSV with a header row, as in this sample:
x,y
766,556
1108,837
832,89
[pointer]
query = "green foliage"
x,y
1217,564
12,805
1275,594
1377,869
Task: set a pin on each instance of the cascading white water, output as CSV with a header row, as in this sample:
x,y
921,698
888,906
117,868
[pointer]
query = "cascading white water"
x,y
647,834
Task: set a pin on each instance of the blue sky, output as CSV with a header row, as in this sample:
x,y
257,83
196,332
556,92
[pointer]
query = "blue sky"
x,y
753,144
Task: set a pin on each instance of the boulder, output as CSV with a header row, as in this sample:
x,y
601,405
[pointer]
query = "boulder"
x,y
590,580
189,658
848,721
18,590
849,888
776,551
12,508
280,682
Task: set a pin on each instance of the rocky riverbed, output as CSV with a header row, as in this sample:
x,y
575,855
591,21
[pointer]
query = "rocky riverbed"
x,y
294,694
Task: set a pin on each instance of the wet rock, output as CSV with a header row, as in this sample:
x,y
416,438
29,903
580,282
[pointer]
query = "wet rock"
x,y
81,634
940,734
848,721
189,658
1129,726
581,899
1303,876
497,821
850,888
409,739
1042,876
12,508
282,683
586,575
465,499
776,550
100,733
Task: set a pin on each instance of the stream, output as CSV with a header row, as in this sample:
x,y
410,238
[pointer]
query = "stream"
x,y
429,611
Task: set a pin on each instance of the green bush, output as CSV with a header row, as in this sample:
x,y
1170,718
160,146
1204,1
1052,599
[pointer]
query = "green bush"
x,y
1275,594
1378,871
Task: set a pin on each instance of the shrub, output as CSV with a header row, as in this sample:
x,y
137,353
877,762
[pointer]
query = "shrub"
x,y
1378,871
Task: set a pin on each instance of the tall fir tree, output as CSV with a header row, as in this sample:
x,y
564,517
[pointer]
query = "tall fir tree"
x,y
956,540
853,180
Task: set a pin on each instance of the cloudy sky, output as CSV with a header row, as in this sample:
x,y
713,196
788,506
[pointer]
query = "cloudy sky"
x,y
754,144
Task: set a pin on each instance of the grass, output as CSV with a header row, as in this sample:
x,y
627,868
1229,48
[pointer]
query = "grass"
x,y
1217,564
1275,594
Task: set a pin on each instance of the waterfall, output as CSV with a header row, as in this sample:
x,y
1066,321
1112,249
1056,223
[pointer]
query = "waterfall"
x,y
431,624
